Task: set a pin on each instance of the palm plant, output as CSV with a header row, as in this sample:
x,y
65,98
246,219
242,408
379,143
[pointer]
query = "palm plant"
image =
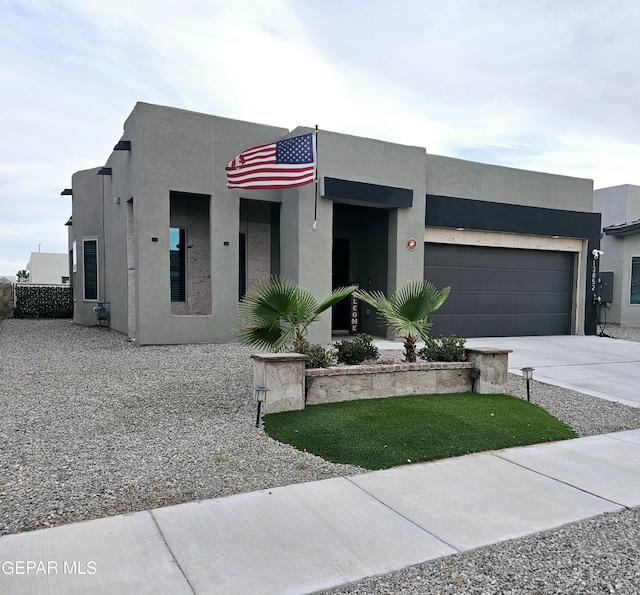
x,y
277,313
407,311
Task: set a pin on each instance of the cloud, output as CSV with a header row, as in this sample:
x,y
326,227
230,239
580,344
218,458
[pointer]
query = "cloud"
x,y
546,85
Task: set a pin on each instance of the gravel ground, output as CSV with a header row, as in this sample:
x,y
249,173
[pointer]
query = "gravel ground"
x,y
93,426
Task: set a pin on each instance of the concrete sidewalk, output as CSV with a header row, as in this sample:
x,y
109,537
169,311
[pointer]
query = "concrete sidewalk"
x,y
308,537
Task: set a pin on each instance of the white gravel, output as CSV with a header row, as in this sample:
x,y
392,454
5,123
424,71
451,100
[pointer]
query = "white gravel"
x,y
92,426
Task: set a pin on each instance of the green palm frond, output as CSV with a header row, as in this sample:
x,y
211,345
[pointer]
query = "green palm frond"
x,y
268,301
334,297
263,337
408,309
278,312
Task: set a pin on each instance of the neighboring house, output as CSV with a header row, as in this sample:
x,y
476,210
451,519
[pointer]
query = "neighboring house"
x,y
47,268
157,234
620,208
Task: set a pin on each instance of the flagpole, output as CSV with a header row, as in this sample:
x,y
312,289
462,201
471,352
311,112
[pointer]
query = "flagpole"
x,y
314,225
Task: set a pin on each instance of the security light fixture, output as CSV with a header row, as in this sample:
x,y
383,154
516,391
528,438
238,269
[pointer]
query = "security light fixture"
x,y
527,374
104,171
66,192
260,395
123,145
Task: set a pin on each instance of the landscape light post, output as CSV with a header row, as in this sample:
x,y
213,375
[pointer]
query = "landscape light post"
x,y
527,374
260,395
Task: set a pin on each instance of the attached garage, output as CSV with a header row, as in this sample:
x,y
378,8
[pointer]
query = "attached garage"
x,y
498,292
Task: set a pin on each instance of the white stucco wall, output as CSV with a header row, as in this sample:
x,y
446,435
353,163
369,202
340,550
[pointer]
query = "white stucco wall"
x,y
48,268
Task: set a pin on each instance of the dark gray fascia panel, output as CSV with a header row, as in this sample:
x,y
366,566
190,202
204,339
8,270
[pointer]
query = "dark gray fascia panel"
x,y
367,195
123,145
447,211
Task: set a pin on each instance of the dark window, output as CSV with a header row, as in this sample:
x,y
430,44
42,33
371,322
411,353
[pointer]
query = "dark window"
x,y
242,266
90,255
635,280
177,263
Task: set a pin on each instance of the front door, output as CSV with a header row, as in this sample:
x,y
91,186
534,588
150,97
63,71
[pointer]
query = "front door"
x,y
340,278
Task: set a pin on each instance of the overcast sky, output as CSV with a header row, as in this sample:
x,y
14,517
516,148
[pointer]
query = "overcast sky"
x,y
548,85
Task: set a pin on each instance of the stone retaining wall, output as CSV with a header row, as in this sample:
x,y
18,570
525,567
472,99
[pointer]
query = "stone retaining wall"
x,y
290,386
349,383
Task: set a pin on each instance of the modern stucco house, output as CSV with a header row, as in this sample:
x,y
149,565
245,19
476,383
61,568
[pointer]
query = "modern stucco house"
x,y
620,208
156,233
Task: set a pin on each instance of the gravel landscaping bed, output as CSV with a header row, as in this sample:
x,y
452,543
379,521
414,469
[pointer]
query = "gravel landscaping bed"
x,y
93,426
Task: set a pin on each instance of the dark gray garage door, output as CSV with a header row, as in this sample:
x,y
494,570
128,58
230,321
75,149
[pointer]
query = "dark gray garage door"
x,y
500,292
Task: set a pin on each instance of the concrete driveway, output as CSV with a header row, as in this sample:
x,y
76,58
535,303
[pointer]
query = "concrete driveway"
x,y
598,366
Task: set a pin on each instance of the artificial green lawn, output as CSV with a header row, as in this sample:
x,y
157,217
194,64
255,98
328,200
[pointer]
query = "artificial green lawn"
x,y
382,433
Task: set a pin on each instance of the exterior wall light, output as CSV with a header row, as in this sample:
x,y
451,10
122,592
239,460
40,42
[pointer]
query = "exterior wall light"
x,y
527,374
104,171
260,395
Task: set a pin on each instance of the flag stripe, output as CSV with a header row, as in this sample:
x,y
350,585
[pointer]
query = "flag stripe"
x,y
261,169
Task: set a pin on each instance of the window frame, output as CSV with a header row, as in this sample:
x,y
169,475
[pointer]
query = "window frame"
x,y
631,291
182,291
242,265
85,275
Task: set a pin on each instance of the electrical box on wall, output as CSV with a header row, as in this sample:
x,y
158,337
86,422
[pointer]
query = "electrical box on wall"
x,y
606,287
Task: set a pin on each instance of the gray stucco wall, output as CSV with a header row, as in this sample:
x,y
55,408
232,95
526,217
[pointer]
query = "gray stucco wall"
x,y
87,224
177,150
447,176
619,204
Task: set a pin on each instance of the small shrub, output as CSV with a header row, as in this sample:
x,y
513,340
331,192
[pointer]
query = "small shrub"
x,y
355,351
443,349
319,357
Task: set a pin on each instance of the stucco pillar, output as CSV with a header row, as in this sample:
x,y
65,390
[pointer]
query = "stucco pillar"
x,y
305,251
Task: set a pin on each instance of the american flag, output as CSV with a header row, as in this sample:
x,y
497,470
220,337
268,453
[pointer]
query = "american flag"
x,y
284,164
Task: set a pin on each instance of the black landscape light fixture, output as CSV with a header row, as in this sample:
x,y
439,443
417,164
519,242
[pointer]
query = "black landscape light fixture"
x,y
474,374
66,192
260,395
123,145
104,171
527,374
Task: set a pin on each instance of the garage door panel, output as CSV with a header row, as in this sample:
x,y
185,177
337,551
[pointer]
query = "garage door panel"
x,y
500,291
501,302
485,280
491,257
500,325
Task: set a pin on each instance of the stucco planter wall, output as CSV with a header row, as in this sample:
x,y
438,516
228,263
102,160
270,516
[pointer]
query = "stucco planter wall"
x,y
291,386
